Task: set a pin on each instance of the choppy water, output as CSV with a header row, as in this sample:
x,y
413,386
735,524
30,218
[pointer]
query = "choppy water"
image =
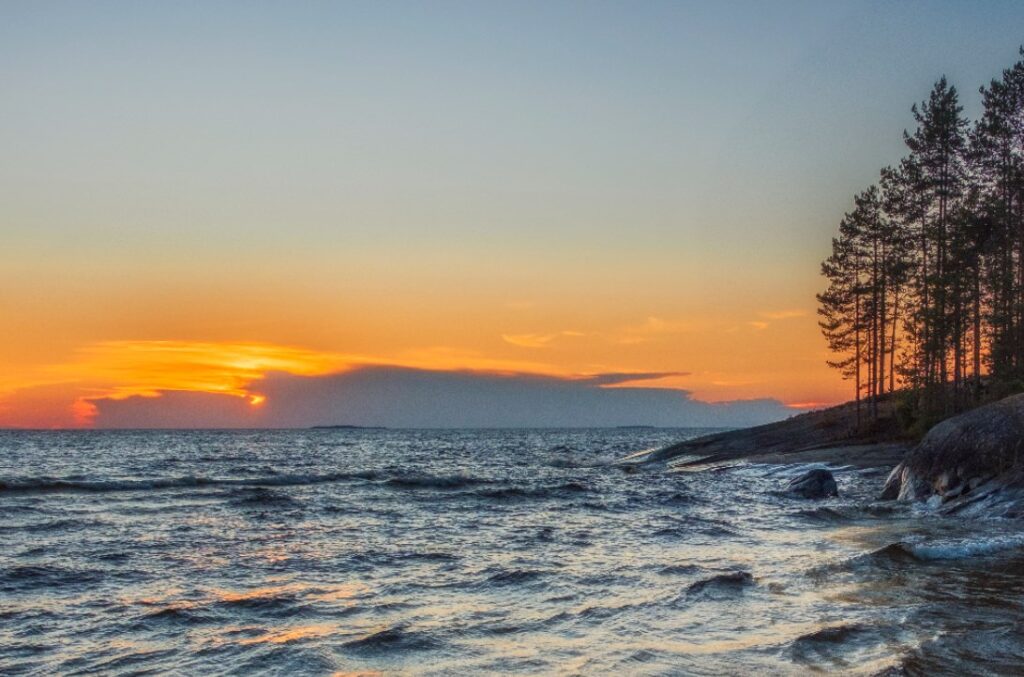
x,y
317,552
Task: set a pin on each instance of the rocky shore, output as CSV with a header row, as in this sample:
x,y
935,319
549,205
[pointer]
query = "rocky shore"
x,y
830,436
973,462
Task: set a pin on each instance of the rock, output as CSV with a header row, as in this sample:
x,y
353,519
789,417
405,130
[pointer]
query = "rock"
x,y
811,432
893,484
817,483
902,485
964,458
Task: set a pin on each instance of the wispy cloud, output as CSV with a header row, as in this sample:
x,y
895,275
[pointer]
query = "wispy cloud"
x,y
536,340
623,378
652,327
782,314
767,317
806,406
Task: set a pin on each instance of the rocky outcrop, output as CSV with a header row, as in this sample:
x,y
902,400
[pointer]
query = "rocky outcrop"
x,y
803,434
978,455
817,483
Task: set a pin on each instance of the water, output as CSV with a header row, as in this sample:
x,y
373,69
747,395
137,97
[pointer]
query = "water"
x,y
457,552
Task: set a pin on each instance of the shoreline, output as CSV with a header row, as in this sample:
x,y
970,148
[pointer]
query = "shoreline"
x,y
861,456
831,436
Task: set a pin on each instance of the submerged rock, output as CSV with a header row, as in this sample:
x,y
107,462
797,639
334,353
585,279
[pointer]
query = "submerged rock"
x,y
973,456
817,483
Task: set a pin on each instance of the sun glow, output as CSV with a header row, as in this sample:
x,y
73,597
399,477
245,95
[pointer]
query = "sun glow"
x,y
66,393
128,368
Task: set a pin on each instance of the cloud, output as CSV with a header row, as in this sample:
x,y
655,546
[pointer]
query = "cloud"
x,y
782,314
807,406
177,409
769,316
126,368
240,384
405,397
619,378
536,340
652,327
61,395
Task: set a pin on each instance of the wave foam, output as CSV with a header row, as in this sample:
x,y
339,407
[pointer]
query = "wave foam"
x,y
965,548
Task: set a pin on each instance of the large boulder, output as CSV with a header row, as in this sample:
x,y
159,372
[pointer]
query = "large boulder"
x,y
965,458
817,483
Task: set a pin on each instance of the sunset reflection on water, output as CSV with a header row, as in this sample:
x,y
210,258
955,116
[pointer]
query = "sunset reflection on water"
x,y
355,551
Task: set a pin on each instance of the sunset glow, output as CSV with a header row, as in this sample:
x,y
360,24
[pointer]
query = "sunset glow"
x,y
199,238
60,394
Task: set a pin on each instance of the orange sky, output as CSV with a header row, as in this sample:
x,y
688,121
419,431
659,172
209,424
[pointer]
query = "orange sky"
x,y
87,330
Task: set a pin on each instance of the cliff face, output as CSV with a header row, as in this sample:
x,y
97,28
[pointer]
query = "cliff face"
x,y
975,457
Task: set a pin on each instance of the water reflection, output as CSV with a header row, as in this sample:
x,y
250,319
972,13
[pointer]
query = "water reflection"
x,y
474,552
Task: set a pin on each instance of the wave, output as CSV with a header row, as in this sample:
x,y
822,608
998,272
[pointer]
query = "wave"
x,y
572,461
514,577
52,525
424,556
834,634
600,612
680,498
696,526
56,485
906,553
425,481
823,514
515,493
963,549
262,496
831,646
31,577
395,638
177,614
731,582
679,569
45,484
850,513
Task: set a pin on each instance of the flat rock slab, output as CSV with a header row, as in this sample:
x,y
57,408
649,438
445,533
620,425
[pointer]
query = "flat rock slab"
x,y
860,456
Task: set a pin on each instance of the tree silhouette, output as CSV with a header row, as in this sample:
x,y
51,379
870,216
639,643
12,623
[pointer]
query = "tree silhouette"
x,y
926,277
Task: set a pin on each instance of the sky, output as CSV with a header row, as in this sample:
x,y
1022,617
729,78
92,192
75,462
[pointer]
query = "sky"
x,y
265,213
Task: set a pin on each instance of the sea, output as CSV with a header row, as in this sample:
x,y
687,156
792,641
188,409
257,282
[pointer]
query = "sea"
x,y
462,552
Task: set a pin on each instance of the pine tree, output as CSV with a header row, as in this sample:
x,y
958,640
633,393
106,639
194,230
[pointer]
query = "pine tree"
x,y
926,277
840,308
997,160
937,154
